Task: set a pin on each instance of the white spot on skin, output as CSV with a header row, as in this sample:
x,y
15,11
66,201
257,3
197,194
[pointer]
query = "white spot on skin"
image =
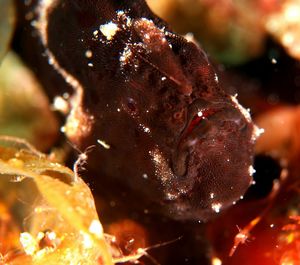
x,y
251,170
212,195
128,21
103,144
216,207
50,61
109,30
216,78
189,37
163,170
29,243
61,105
88,54
86,240
66,95
145,176
144,128
163,78
125,56
216,261
274,61
200,113
258,131
90,65
95,33
96,228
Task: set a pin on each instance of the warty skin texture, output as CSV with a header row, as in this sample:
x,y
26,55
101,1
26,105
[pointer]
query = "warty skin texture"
x,y
149,100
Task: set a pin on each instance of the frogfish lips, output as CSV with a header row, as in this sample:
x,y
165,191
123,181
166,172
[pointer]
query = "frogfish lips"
x,y
212,162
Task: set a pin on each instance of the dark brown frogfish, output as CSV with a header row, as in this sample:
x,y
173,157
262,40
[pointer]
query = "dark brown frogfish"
x,y
147,99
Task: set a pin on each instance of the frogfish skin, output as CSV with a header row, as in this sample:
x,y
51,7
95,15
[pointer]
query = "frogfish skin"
x,y
147,99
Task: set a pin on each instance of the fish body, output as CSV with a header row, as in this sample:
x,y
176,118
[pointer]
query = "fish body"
x,y
149,100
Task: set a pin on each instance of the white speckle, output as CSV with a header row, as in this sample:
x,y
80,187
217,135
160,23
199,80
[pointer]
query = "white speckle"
x,y
28,242
95,33
216,78
90,65
234,203
260,131
241,197
189,37
216,207
200,113
212,195
50,61
144,128
170,196
109,30
274,61
88,54
34,23
121,14
257,132
251,170
216,261
103,144
228,160
86,240
272,225
125,56
253,182
241,236
66,95
162,169
163,78
96,228
60,104
145,176
118,110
